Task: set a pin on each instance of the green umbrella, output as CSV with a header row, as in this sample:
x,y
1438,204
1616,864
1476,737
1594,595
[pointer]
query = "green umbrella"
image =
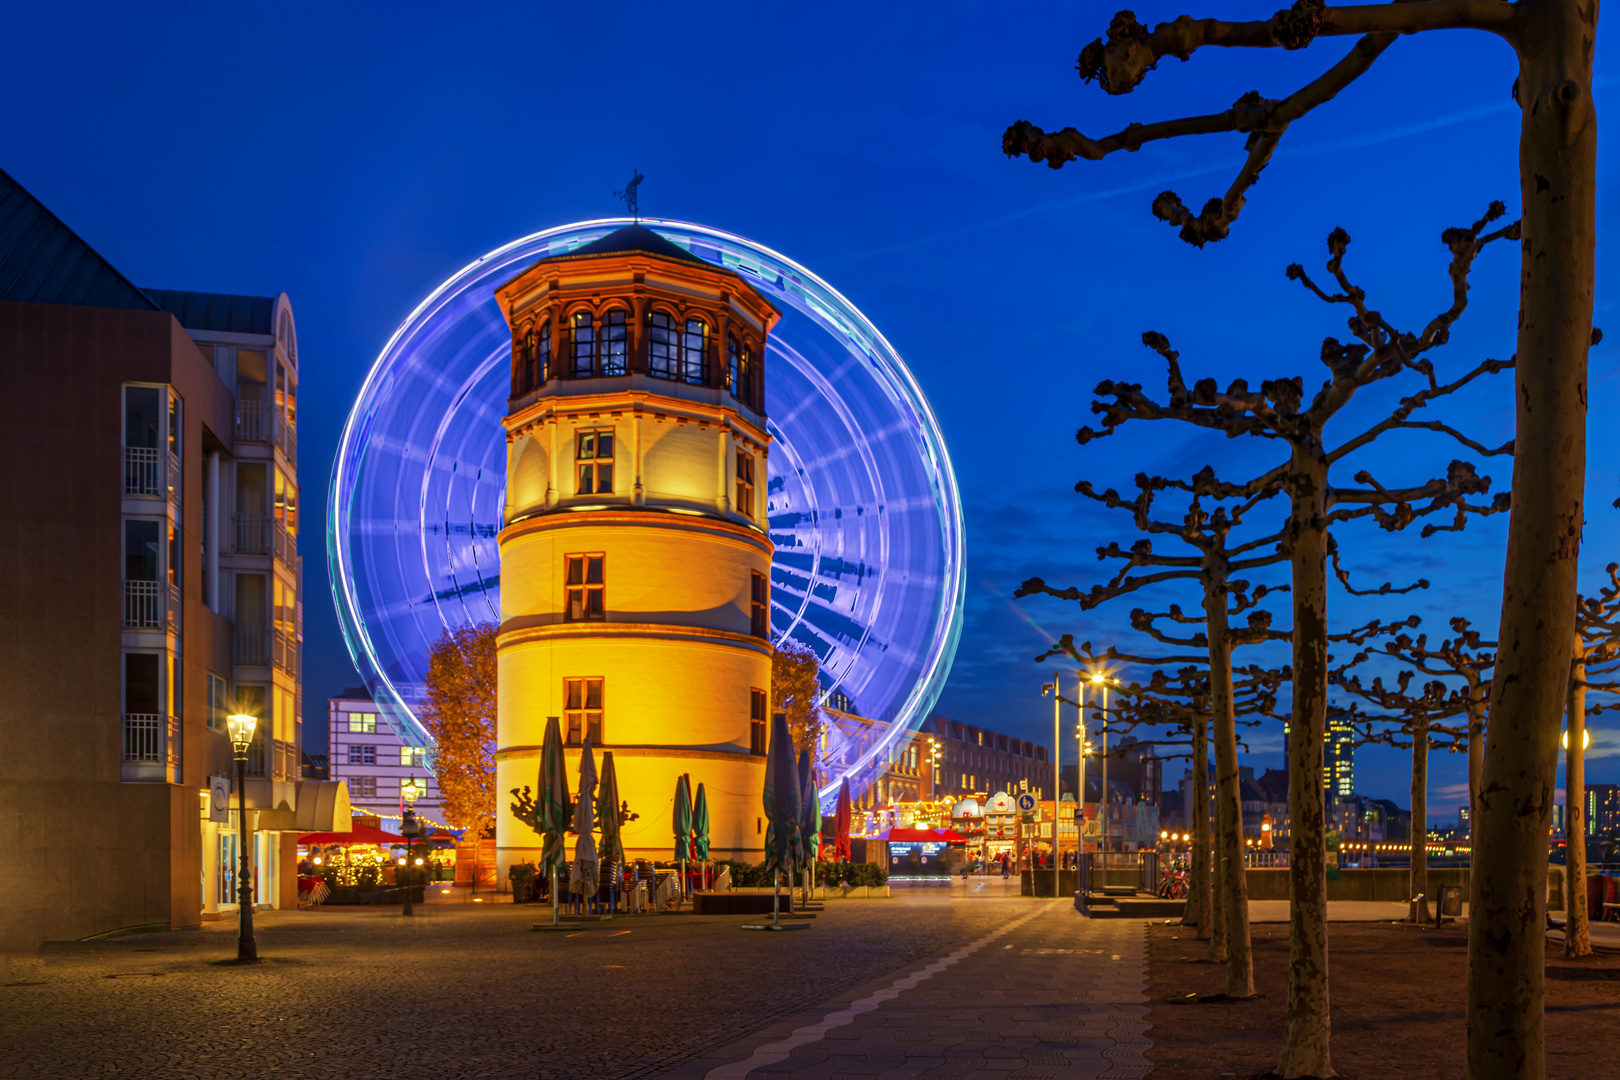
x,y
553,815
683,818
781,800
700,825
607,812
585,878
809,817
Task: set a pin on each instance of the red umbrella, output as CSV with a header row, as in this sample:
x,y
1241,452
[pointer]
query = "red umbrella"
x,y
359,834
841,818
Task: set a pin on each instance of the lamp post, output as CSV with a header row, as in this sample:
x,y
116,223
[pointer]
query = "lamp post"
x,y
410,791
1057,779
1102,811
241,728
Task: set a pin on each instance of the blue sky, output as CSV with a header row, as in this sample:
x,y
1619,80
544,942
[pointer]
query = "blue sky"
x,y
354,156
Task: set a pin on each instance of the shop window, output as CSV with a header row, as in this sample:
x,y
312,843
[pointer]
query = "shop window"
x,y
745,484
363,722
583,710
585,600
760,605
593,452
362,755
756,722
694,347
663,346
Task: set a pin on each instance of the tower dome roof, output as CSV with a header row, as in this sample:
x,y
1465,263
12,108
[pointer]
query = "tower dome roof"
x,y
635,238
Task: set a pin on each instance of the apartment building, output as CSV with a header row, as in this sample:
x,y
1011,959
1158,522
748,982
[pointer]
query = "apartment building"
x,y
150,543
369,756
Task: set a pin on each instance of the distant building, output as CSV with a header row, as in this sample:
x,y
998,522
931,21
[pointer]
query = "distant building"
x,y
1602,808
367,754
1463,824
1338,756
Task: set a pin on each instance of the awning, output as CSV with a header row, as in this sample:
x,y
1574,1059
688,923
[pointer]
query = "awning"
x,y
924,836
358,834
323,805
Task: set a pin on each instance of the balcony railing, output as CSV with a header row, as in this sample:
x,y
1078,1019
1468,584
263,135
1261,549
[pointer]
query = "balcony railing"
x,y
286,544
152,738
252,420
287,439
144,605
143,471
252,534
286,653
252,645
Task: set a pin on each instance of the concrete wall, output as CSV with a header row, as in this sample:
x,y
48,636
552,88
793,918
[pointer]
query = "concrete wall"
x,y
1391,885
88,853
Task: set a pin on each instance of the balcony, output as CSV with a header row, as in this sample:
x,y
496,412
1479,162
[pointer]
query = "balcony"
x,y
252,420
287,439
286,545
145,605
150,471
286,653
251,646
252,534
151,748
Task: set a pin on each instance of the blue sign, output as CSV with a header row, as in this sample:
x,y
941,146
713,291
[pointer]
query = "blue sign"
x,y
1026,802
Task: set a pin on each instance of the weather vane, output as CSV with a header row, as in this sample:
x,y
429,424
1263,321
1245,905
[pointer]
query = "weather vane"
x,y
629,194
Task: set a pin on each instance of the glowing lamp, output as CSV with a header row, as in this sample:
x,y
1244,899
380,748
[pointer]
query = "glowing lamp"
x,y
1586,739
240,726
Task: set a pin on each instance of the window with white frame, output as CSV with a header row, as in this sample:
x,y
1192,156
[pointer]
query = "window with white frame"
x,y
362,755
362,787
219,702
363,722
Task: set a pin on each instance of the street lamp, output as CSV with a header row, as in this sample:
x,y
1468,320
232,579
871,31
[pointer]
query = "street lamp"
x,y
410,791
1098,679
1054,688
240,726
1586,739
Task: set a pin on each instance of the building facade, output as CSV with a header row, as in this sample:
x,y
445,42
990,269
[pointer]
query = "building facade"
x,y
1602,809
635,559
126,563
370,758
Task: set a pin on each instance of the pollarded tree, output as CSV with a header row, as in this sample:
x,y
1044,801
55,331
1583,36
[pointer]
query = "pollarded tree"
x,y
1280,411
1554,41
1213,557
1595,665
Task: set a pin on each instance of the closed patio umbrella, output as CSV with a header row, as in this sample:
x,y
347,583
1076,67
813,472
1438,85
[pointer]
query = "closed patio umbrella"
x,y
841,821
611,850
584,878
700,825
683,825
781,804
553,813
809,817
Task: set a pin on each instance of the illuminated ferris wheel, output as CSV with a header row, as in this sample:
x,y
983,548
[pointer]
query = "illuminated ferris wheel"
x,y
863,506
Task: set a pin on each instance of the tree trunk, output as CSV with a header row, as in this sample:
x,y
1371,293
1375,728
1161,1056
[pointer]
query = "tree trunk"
x,y
1476,752
1200,898
1555,40
1307,1027
1577,937
1231,875
1418,885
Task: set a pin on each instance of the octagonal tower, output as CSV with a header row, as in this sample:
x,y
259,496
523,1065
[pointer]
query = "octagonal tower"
x,y
635,558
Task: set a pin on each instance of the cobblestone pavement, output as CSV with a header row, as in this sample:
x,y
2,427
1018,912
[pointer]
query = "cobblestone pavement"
x,y
467,991
1047,994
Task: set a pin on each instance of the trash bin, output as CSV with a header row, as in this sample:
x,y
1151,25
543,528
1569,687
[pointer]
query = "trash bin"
x,y
1450,901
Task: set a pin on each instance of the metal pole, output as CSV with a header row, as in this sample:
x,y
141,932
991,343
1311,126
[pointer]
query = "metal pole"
x,y
247,950
1107,838
1080,796
1057,785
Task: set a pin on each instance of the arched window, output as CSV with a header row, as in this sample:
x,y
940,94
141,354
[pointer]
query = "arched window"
x,y
733,365
694,344
662,345
615,344
525,379
583,345
745,377
544,358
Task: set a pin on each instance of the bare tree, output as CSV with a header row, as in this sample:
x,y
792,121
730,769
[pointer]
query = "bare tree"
x,y
1554,41
1279,411
1213,558
1595,665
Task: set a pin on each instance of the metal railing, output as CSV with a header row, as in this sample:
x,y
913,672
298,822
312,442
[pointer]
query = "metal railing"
x,y
251,645
174,607
286,545
287,439
151,738
143,471
251,420
252,534
144,605
286,652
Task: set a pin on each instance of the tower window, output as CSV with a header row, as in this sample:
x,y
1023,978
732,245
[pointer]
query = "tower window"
x,y
540,357
615,343
585,587
584,345
694,345
583,710
756,722
733,365
662,345
761,606
594,453
745,484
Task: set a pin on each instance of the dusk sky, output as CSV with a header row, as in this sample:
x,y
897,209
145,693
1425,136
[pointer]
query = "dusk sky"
x,y
355,156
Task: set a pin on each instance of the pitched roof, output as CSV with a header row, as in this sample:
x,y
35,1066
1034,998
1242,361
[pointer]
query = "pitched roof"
x,y
635,238
44,261
218,311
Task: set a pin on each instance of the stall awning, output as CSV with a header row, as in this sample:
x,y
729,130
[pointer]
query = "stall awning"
x,y
358,834
317,804
924,836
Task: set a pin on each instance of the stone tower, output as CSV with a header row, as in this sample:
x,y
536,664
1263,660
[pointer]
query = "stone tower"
x,y
635,557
